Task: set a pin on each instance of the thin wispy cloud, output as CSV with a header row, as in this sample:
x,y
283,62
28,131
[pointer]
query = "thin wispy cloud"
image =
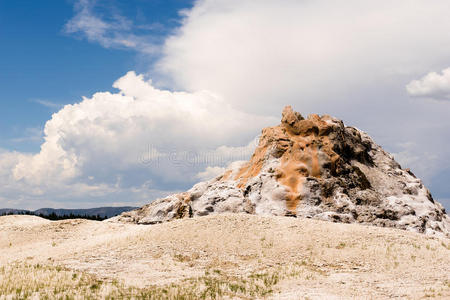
x,y
114,31
48,104
32,134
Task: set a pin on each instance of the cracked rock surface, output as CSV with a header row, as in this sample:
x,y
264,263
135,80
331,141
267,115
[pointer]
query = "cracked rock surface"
x,y
314,168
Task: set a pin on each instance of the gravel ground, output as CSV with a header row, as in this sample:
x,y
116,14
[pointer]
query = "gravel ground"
x,y
313,259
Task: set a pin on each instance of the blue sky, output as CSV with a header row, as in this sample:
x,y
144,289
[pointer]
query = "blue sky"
x,y
42,64
212,73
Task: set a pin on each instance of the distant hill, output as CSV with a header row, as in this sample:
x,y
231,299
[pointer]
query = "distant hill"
x,y
103,212
13,211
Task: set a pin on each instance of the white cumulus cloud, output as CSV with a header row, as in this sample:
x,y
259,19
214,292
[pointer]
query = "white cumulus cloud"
x,y
139,141
433,85
210,172
261,55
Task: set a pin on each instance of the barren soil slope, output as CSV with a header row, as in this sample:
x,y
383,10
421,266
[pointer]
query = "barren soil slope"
x,y
244,255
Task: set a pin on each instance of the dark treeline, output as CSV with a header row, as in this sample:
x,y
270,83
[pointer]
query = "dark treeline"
x,y
54,217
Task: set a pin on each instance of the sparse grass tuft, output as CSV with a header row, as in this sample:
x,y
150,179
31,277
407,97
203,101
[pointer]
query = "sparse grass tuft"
x,y
27,281
416,246
341,245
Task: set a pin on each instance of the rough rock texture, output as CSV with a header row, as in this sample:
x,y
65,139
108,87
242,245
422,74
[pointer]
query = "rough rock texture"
x,y
315,168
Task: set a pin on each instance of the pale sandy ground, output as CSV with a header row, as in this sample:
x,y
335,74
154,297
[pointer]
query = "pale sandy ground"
x,y
315,259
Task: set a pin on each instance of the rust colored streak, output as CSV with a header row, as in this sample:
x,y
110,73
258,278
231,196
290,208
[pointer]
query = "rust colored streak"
x,y
302,159
252,168
300,144
315,166
289,175
299,162
226,175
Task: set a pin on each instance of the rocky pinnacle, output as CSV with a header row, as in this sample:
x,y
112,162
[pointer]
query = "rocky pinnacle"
x,y
313,168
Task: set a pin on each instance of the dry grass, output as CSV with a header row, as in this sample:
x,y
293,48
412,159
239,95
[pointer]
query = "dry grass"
x,y
26,281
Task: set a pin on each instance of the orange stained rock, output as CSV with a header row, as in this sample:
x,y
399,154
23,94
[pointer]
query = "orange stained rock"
x,y
226,175
252,168
185,197
303,147
301,161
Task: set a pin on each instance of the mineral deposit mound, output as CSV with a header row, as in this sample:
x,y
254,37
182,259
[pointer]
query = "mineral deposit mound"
x,y
312,168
